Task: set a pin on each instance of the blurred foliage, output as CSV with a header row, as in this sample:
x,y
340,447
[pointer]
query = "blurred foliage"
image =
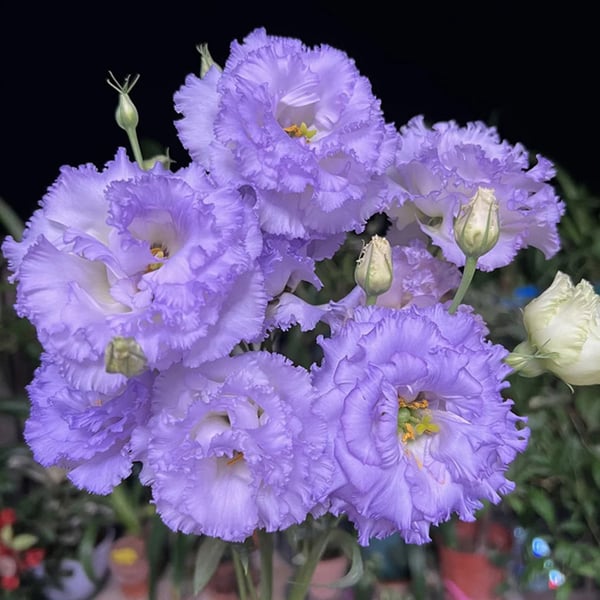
x,y
557,494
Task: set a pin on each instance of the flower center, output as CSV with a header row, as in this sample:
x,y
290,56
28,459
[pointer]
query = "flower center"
x,y
301,130
158,251
414,418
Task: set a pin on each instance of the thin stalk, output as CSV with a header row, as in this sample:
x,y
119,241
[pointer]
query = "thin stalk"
x,y
10,220
265,545
244,578
135,146
124,509
303,577
465,282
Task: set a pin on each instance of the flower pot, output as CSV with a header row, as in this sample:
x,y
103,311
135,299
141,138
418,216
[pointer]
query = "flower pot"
x,y
129,566
328,571
469,576
391,590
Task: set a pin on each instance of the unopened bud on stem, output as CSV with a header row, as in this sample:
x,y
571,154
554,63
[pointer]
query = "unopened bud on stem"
x,y
373,272
477,227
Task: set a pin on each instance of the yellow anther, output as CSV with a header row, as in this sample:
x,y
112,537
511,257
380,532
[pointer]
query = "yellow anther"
x,y
402,403
300,131
160,252
414,419
237,456
409,432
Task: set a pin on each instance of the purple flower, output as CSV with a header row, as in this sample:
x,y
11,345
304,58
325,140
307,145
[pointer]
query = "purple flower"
x,y
86,433
439,169
235,446
413,398
298,124
167,259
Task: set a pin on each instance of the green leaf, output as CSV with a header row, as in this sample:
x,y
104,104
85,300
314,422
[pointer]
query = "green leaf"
x,y
543,506
208,557
349,546
86,550
23,541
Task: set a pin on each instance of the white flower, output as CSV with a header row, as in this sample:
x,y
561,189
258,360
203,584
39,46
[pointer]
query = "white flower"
x,y
563,328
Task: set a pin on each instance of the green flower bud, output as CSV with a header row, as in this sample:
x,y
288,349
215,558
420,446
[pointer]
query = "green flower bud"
x,y
477,227
125,356
206,60
126,114
164,159
373,270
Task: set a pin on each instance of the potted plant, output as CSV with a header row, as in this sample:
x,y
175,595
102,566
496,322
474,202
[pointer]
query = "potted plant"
x,y
72,528
557,478
474,557
388,568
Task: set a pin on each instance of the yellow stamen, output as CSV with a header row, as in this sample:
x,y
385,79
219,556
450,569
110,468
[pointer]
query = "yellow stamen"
x,y
160,252
409,432
414,418
300,131
237,456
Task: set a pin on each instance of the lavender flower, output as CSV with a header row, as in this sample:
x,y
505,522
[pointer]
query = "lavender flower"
x,y
300,125
235,446
167,259
86,433
440,169
413,398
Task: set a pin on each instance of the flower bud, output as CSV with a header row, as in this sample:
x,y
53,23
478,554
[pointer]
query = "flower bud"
x,y
125,356
206,60
164,159
477,228
126,113
563,329
373,272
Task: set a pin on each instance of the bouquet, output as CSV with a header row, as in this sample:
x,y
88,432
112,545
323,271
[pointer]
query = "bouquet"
x,y
275,332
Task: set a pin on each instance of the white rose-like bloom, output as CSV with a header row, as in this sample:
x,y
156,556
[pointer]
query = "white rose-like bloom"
x,y
563,328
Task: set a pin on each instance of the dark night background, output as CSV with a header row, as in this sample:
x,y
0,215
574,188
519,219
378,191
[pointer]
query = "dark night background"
x,y
533,76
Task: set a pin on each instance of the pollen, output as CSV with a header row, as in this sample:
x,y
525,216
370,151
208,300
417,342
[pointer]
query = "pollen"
x,y
414,419
237,456
301,130
160,252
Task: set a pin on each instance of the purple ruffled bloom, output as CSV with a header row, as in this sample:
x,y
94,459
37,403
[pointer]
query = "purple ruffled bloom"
x,y
86,433
298,124
413,398
167,259
439,169
235,446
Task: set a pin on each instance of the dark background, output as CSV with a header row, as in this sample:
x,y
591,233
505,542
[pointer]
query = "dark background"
x,y
532,75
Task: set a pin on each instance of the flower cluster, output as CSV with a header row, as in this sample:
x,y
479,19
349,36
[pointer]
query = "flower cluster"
x,y
161,297
18,553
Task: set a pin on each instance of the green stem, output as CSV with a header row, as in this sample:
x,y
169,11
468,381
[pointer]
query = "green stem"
x,y
303,577
10,220
243,575
135,146
265,545
371,300
124,509
465,282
